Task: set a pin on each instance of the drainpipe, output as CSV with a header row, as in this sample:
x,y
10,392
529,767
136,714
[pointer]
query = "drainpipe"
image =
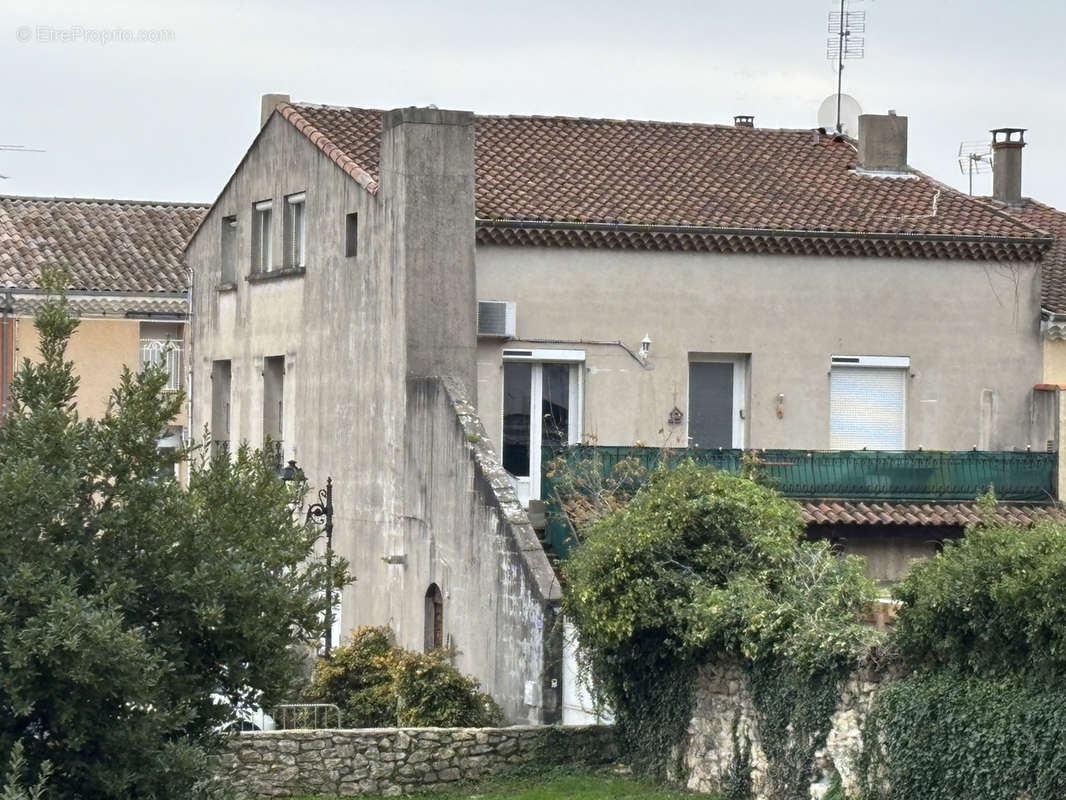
x,y
5,345
189,361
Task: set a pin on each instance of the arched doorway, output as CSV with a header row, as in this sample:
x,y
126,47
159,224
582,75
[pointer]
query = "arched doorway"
x,y
434,618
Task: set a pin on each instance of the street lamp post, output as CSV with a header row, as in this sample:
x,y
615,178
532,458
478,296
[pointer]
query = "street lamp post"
x,y
320,513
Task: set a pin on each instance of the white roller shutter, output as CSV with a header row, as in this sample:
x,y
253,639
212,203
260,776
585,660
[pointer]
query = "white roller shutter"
x,y
867,408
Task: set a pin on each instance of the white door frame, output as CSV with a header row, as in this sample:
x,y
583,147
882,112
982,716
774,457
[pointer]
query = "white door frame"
x,y
528,488
740,397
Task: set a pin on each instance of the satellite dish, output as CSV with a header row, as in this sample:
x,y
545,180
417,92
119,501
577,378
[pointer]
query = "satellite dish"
x,y
849,114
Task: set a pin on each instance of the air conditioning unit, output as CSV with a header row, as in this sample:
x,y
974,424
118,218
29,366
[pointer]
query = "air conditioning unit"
x,y
495,318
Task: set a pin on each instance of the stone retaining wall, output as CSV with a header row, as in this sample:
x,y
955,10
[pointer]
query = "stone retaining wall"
x,y
722,696
395,761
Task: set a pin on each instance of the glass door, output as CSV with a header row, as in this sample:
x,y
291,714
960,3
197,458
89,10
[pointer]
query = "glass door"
x,y
540,407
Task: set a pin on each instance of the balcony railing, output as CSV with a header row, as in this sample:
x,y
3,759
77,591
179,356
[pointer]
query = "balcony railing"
x,y
911,476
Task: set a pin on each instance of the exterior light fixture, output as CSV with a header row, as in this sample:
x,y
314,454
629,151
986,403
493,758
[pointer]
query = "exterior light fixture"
x,y
320,513
645,347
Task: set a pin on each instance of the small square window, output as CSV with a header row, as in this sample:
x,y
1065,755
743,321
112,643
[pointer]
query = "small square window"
x,y
295,230
229,249
261,237
351,235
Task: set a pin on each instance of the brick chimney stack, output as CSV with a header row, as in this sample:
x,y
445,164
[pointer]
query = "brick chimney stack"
x,y
1007,144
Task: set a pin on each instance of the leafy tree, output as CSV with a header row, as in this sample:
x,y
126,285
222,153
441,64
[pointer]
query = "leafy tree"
x,y
703,564
982,712
993,602
378,684
129,606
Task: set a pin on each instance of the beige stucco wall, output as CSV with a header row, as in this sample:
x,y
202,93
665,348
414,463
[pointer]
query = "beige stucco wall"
x,y
1054,361
99,349
966,326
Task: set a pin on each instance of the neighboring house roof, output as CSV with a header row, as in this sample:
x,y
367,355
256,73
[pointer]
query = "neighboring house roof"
x,y
827,512
106,246
658,185
1053,276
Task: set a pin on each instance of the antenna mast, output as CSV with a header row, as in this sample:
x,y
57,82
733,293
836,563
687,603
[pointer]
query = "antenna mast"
x,y
975,158
842,24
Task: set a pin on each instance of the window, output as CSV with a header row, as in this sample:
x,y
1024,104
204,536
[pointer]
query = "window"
x,y
541,406
273,406
351,235
221,384
434,630
295,230
165,352
229,249
868,402
261,250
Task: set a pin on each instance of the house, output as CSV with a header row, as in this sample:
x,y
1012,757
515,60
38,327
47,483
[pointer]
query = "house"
x,y
1007,146
127,286
417,302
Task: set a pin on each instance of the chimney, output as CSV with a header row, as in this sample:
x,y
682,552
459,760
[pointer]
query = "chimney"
x,y
883,142
744,121
269,103
427,183
1007,144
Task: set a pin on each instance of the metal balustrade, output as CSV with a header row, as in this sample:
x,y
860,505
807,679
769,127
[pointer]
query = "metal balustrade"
x,y
923,476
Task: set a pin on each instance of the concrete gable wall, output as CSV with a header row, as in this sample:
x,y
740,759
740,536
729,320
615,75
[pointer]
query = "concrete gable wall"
x,y
354,332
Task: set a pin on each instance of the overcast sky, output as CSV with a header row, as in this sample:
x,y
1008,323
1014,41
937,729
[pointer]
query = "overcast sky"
x,y
169,117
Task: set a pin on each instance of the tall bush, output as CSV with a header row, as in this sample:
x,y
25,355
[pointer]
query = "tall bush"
x,y
982,627
135,615
703,564
993,602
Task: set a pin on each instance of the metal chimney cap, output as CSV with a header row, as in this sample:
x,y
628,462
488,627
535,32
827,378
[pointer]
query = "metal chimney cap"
x,y
744,121
1008,136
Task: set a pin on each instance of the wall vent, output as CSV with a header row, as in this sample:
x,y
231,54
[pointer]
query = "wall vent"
x,y
496,318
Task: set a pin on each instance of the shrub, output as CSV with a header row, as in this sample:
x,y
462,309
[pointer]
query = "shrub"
x,y
12,787
950,734
983,714
358,679
703,564
993,602
377,684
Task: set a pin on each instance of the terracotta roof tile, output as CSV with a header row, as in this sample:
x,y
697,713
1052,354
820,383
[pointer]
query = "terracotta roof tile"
x,y
827,512
558,169
104,245
1053,221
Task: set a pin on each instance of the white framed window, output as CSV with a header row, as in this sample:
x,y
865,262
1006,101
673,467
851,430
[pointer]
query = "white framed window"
x,y
868,402
295,230
261,236
164,352
542,402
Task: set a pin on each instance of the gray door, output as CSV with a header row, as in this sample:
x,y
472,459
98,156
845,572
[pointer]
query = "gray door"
x,y
710,404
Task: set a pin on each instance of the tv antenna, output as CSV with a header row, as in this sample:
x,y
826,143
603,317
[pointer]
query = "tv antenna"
x,y
975,158
843,44
17,148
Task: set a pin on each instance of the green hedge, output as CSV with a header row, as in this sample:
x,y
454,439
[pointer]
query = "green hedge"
x,y
947,735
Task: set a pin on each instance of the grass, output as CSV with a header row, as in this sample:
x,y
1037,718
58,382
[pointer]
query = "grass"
x,y
553,786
